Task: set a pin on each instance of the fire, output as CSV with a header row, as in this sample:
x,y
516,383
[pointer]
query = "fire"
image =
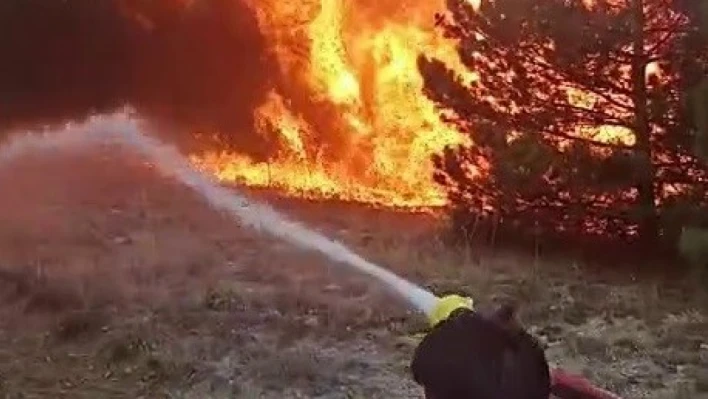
x,y
352,120
349,112
329,67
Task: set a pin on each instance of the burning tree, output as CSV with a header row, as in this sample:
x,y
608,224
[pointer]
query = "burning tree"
x,y
576,117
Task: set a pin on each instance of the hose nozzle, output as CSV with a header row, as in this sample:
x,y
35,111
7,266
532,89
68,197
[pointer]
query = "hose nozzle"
x,y
446,305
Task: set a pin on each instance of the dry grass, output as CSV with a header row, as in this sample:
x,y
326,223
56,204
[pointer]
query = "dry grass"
x,y
116,283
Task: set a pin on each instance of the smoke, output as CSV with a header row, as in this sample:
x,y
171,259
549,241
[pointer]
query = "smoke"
x,y
193,65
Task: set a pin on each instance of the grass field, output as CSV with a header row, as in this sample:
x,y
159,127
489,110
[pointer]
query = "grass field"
x,y
118,283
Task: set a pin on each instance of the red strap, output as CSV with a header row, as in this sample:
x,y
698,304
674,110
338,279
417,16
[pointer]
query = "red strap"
x,y
566,385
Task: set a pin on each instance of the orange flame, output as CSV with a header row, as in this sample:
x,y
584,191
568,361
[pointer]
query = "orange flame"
x,y
362,64
359,59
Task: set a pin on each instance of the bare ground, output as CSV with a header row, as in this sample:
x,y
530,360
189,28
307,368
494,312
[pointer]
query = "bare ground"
x,y
118,283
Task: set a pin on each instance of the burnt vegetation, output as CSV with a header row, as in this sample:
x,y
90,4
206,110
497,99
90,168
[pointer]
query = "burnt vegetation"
x,y
538,177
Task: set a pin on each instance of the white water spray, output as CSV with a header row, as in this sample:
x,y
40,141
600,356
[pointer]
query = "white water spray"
x,y
121,128
71,136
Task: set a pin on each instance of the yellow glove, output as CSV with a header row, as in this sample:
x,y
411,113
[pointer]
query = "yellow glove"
x,y
447,305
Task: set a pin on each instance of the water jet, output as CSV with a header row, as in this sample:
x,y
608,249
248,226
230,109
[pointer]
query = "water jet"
x,y
124,129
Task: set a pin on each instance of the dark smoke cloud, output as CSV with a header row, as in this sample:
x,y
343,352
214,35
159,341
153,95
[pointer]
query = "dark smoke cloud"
x,y
191,64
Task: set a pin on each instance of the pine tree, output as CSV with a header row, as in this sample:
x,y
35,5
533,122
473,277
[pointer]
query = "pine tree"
x,y
554,76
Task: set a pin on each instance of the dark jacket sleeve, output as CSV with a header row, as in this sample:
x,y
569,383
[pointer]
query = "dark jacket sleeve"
x,y
470,356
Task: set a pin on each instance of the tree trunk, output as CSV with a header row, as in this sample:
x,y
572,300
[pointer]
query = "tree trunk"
x,y
646,201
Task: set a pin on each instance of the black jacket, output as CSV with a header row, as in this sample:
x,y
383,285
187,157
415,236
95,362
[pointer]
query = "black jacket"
x,y
471,356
